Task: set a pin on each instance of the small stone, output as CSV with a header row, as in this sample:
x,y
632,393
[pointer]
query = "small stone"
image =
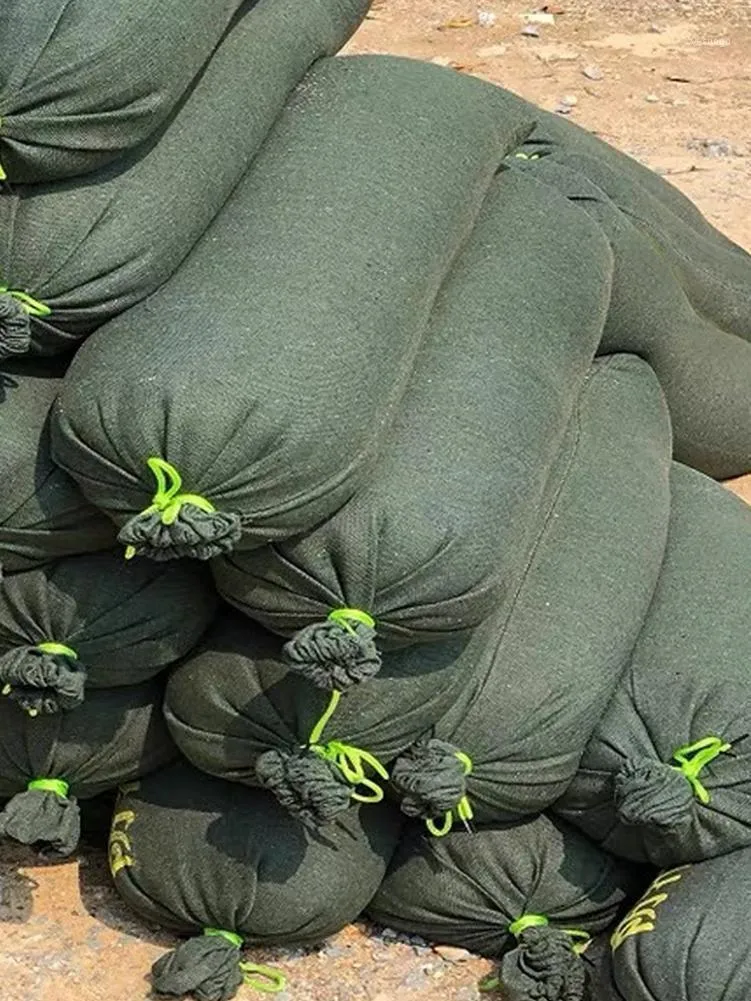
x,y
570,100
389,935
333,951
592,72
531,31
491,51
652,99
441,60
486,18
452,953
539,17
655,29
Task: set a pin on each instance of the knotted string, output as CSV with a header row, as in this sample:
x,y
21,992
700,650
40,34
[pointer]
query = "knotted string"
x,y
692,758
30,305
463,808
58,786
168,501
344,616
493,982
54,649
348,759
262,978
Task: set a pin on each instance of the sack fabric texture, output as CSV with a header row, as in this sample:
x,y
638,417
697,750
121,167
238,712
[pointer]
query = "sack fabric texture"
x,y
666,776
43,514
433,540
48,764
531,893
74,254
703,367
511,743
82,81
236,710
96,621
197,854
306,339
683,940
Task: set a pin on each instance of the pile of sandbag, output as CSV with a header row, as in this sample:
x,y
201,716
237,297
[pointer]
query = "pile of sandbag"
x,y
357,522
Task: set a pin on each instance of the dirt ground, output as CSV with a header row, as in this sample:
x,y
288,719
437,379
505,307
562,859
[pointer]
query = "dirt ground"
x,y
668,81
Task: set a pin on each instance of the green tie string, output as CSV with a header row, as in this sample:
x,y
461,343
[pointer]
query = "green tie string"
x,y
57,649
262,978
30,305
348,759
345,616
58,786
692,758
167,501
464,811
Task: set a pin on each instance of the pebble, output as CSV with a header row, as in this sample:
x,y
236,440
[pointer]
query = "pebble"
x,y
486,18
592,72
452,953
490,51
539,17
570,100
652,99
531,30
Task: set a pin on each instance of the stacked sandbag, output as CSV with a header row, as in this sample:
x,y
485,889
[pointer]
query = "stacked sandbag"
x,y
235,710
703,367
532,893
305,302
43,514
204,857
76,253
82,81
94,622
48,764
714,271
512,742
433,541
683,940
667,774
509,709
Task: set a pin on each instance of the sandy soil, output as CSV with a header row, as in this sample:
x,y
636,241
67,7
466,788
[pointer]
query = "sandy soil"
x,y
669,81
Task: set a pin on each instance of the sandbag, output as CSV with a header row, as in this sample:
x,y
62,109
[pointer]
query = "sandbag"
x,y
43,514
83,81
511,743
531,893
667,774
306,301
93,622
431,543
48,764
684,940
203,856
704,370
236,711
714,271
73,254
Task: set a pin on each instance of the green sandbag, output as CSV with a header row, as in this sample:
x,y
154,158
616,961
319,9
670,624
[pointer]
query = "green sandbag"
x,y
196,854
687,937
48,764
667,773
305,301
704,371
554,135
74,254
81,81
43,514
431,544
512,742
236,711
94,622
714,272
531,893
